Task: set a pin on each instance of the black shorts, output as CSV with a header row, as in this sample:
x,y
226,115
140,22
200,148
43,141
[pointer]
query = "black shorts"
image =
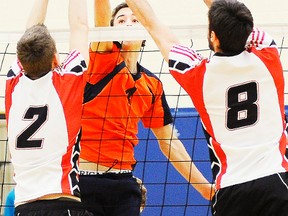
x,y
111,194
56,207
267,196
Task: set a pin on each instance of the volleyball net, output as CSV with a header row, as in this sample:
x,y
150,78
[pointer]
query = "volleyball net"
x,y
168,193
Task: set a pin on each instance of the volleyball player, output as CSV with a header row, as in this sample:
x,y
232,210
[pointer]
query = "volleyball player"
x,y
43,110
119,93
239,94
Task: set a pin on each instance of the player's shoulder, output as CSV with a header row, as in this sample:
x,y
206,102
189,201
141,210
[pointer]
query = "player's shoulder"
x,y
15,69
74,62
146,72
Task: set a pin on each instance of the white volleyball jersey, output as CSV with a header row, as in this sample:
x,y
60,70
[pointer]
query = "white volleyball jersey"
x,y
240,100
43,118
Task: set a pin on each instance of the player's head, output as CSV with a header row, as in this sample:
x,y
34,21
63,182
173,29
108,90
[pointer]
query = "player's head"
x,y
36,51
232,22
122,15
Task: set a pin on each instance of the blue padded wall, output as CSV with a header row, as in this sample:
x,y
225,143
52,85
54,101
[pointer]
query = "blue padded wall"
x,y
169,194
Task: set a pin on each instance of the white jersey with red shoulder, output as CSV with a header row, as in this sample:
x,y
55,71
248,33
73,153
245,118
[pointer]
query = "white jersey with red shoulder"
x,y
240,99
44,118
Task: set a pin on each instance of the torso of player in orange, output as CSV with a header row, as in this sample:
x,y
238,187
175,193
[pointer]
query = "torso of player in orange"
x,y
114,102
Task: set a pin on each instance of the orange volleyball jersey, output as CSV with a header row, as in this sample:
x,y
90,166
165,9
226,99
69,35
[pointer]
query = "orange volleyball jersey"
x,y
114,102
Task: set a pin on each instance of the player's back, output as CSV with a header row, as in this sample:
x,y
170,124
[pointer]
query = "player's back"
x,y
44,119
244,115
240,99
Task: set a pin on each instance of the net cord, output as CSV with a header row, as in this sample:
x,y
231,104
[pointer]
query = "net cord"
x,y
137,33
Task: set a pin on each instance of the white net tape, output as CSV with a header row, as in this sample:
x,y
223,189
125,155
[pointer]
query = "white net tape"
x,y
139,33
193,35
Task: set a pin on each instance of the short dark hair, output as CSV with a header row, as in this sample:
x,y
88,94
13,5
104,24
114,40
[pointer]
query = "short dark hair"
x,y
232,23
35,50
115,11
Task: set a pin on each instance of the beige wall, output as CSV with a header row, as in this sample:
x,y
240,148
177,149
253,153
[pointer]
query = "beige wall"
x,y
13,14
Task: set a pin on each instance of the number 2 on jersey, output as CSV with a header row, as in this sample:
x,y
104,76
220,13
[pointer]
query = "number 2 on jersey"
x,y
37,116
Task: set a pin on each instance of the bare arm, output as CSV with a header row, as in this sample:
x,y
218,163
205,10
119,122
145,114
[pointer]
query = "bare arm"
x,y
78,27
38,13
175,151
102,16
102,13
161,34
208,3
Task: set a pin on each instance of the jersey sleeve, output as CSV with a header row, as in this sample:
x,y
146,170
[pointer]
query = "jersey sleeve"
x,y
15,69
101,64
159,113
74,63
69,77
185,64
12,79
260,39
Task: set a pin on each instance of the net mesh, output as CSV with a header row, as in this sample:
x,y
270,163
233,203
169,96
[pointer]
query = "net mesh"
x,y
168,192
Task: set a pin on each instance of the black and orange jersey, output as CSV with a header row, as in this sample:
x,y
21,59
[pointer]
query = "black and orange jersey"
x,y
114,102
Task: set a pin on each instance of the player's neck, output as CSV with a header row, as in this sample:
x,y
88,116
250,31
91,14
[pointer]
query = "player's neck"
x,y
131,59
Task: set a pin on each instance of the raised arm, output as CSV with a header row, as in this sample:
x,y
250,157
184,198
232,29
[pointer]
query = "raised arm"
x,y
208,3
175,151
79,27
102,13
102,16
161,34
38,13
